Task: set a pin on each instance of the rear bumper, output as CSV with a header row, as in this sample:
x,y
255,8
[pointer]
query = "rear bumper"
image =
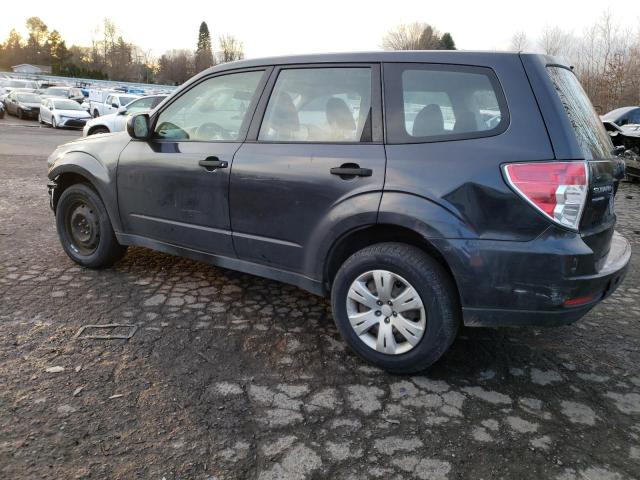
x,y
520,287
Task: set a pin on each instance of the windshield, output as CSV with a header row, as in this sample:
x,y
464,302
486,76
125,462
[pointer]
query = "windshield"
x,y
126,100
28,98
67,105
57,92
590,133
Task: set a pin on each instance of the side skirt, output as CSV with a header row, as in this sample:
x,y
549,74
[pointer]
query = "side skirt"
x,y
301,281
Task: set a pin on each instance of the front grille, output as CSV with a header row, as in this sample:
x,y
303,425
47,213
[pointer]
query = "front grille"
x,y
75,122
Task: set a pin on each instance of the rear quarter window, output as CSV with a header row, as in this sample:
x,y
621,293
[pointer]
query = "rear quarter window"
x,y
590,133
431,102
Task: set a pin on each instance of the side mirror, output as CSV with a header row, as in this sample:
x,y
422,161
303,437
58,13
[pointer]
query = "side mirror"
x,y
122,110
138,126
115,105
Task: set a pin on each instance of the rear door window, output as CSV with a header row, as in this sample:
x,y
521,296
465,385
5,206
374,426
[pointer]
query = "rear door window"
x,y
590,133
429,102
319,105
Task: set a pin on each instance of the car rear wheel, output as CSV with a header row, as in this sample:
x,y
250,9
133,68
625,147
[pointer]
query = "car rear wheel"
x,y
85,230
98,130
396,307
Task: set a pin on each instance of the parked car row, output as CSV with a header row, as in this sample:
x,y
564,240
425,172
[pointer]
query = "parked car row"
x,y
62,111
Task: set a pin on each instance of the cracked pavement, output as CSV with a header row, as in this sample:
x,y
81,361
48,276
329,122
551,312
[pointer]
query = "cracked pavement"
x,y
232,376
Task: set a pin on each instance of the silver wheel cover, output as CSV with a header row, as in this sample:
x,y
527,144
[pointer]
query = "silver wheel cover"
x,y
386,312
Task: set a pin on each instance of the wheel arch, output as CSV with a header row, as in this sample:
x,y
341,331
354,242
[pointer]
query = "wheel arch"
x,y
359,238
93,128
79,167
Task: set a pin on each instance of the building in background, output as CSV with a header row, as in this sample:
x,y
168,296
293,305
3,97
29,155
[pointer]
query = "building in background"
x,y
31,69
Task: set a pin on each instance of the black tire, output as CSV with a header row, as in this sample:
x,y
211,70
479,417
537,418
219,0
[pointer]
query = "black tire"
x,y
20,114
102,249
435,287
98,130
96,114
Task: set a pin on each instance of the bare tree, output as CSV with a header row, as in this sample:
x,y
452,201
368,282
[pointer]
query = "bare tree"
x,y
231,49
554,41
605,57
413,36
519,42
175,66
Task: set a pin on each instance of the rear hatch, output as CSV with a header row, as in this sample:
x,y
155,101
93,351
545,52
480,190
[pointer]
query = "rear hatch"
x,y
604,169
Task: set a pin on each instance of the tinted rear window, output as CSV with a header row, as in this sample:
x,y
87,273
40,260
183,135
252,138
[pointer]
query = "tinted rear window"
x,y
590,133
428,102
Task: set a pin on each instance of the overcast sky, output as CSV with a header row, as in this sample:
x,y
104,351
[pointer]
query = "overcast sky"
x,y
280,27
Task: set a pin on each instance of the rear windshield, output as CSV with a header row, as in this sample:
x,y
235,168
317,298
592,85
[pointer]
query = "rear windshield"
x,y
590,133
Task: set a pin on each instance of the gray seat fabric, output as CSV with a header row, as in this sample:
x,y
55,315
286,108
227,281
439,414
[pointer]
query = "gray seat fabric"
x,y
429,122
284,120
465,122
339,116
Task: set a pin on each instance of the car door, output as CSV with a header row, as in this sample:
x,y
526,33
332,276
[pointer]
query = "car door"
x,y
107,108
174,187
313,164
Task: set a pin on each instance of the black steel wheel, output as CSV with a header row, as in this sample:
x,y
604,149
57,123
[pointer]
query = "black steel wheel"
x,y
84,228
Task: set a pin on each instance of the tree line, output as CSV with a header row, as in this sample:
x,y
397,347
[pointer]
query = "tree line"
x,y
605,57
111,57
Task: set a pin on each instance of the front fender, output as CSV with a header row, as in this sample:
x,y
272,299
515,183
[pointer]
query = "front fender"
x,y
96,173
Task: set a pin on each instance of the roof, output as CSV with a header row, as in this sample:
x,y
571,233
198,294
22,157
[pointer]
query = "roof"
x,y
442,56
614,114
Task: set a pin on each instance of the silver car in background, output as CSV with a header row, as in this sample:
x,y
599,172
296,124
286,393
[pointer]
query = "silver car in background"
x,y
117,122
61,112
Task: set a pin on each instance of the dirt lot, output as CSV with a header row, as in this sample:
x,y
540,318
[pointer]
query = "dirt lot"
x,y
231,376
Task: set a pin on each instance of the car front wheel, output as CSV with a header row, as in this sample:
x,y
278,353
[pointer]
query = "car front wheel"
x,y
396,307
54,124
84,228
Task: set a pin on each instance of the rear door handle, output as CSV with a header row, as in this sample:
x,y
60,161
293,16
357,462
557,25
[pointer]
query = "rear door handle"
x,y
351,171
211,163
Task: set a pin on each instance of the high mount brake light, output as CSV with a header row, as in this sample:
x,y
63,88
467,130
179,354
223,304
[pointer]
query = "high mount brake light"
x,y
556,189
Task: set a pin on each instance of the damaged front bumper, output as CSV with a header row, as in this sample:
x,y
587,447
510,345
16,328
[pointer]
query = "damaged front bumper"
x,y
51,187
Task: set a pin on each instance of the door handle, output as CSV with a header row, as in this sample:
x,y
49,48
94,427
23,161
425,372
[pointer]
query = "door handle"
x,y
351,171
212,163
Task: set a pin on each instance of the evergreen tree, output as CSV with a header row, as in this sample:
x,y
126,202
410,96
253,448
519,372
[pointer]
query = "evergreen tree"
x,y
446,42
204,54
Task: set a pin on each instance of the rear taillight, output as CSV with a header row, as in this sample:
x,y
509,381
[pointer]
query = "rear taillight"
x,y
557,189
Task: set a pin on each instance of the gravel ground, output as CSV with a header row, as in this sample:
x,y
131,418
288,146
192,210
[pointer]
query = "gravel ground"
x,y
232,376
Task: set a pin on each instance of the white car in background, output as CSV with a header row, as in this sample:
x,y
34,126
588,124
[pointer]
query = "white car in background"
x,y
61,112
117,122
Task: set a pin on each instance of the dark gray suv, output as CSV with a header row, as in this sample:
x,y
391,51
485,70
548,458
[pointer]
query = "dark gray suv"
x,y
421,190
